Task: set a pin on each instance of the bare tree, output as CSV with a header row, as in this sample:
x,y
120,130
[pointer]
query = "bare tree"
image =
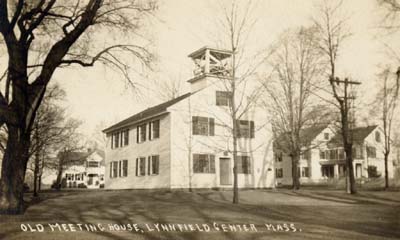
x,y
236,26
47,132
390,21
41,36
66,149
297,69
388,98
332,32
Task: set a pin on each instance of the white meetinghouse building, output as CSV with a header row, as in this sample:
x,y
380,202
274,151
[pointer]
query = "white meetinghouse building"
x,y
187,142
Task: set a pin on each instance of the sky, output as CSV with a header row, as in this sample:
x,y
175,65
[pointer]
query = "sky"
x,y
100,97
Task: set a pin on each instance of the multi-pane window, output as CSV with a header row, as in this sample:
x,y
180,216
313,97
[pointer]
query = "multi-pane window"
x,y
141,133
116,140
120,138
153,165
377,136
92,164
154,129
123,168
279,172
203,163
305,172
69,176
203,126
119,168
113,169
322,154
245,129
126,137
244,165
140,166
357,152
371,152
223,98
278,157
333,154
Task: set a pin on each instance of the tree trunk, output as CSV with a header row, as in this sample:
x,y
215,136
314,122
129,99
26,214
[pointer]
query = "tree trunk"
x,y
40,183
295,176
59,178
235,170
13,171
36,175
386,171
350,180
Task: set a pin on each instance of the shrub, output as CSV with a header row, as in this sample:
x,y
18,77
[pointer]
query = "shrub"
x,y
373,172
82,185
102,185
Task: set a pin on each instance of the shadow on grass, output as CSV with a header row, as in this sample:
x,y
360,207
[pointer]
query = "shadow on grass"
x,y
134,206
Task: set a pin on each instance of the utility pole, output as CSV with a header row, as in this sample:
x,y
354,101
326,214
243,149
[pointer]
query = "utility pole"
x,y
345,127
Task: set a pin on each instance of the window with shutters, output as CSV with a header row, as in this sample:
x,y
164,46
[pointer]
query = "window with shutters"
x,y
223,98
113,169
141,133
154,129
153,165
203,163
140,166
120,138
126,137
279,173
244,164
245,129
203,126
116,140
124,168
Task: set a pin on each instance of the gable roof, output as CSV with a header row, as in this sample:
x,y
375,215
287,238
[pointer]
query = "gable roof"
x,y
75,158
146,113
306,135
359,134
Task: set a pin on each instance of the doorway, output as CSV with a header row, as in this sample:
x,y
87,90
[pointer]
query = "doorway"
x,y
358,170
225,171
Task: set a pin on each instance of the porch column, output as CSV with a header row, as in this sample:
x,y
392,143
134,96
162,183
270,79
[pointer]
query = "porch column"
x,y
336,171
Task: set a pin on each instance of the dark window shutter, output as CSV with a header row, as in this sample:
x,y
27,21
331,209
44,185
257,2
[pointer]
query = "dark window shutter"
x,y
150,130
144,134
195,163
251,129
112,141
137,134
195,125
148,165
211,126
157,164
137,166
212,163
110,169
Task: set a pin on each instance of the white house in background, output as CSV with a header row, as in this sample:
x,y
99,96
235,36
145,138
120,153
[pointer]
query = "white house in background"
x,y
186,142
87,169
325,160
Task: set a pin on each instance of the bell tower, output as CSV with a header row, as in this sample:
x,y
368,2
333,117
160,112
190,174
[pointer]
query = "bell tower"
x,y
210,62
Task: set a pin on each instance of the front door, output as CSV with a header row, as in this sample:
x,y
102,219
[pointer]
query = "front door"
x,y
358,170
225,171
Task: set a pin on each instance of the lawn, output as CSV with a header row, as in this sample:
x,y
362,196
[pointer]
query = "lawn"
x,y
262,214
